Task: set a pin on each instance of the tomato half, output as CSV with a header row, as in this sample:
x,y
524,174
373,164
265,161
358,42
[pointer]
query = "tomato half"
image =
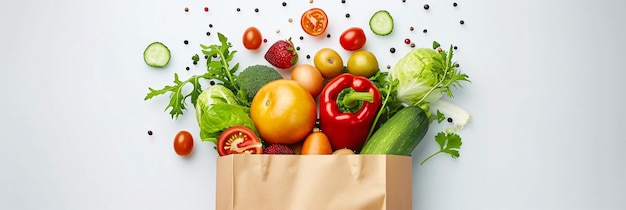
x,y
238,140
183,143
252,38
314,21
352,39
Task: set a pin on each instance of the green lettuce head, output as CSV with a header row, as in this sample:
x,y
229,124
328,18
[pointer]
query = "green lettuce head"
x,y
416,73
216,94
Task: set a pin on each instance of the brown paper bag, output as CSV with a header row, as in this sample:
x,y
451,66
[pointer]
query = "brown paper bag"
x,y
316,182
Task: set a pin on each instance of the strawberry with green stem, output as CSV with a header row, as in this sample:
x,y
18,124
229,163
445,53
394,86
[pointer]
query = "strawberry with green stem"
x,y
282,54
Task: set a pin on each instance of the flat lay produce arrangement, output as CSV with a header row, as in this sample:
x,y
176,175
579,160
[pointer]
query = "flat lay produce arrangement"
x,y
327,104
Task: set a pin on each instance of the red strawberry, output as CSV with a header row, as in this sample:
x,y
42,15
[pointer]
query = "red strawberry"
x,y
282,54
278,149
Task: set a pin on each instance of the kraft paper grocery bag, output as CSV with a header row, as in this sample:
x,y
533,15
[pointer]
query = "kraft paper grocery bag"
x,y
315,182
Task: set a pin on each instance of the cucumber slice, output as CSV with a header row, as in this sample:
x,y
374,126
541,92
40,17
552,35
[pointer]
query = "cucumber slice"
x,y
156,55
381,23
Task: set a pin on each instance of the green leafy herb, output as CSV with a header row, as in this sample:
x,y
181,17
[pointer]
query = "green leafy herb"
x,y
449,143
195,58
388,89
440,116
219,57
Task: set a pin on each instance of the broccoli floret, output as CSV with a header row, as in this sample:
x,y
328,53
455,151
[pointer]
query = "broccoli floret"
x,y
254,77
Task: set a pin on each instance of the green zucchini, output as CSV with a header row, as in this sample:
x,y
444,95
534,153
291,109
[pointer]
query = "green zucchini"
x,y
400,134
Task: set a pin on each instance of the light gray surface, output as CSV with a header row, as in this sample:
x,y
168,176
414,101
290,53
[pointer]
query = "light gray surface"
x,y
546,98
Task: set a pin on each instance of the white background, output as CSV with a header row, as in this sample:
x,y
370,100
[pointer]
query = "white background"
x,y
546,97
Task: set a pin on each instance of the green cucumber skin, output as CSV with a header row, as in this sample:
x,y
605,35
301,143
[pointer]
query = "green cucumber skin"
x,y
400,134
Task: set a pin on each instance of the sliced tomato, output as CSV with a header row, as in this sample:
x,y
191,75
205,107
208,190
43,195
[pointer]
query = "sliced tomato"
x,y
314,21
238,140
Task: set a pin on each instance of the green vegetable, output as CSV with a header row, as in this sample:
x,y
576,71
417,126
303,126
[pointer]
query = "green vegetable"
x,y
218,68
400,134
425,74
221,117
216,94
449,143
254,77
156,55
381,23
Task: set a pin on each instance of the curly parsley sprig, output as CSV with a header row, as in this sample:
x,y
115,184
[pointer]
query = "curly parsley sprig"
x,y
218,58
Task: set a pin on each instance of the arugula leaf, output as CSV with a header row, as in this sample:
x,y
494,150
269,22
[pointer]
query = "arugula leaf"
x,y
219,57
449,143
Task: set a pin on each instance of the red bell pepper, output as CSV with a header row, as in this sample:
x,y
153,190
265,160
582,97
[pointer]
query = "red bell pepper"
x,y
348,107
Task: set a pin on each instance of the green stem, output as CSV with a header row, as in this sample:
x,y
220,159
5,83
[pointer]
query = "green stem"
x,y
422,163
445,73
353,99
227,69
380,112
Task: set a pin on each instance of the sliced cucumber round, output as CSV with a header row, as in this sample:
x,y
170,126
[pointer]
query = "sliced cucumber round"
x,y
381,23
156,55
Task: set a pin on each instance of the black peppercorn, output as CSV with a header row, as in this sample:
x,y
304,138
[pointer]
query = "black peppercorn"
x,y
449,119
426,6
392,50
186,9
149,132
462,22
210,25
411,28
298,48
454,4
284,4
308,56
212,83
457,65
187,68
301,38
455,47
425,31
256,9
238,9
186,42
208,33
327,35
412,44
206,57
347,15
343,1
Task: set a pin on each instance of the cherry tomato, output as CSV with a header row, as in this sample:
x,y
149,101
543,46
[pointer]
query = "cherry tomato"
x,y
309,77
238,140
329,63
183,143
252,38
314,21
316,143
352,39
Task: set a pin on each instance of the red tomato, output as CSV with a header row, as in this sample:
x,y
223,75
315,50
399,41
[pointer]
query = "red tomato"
x,y
352,39
252,38
314,21
238,140
183,143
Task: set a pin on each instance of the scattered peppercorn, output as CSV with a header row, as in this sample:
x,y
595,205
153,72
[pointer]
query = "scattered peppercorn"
x,y
290,20
186,42
388,66
149,132
327,35
186,9
264,40
392,50
439,49
308,56
206,57
403,1
457,65
425,31
454,4
301,38
462,22
343,1
426,6
347,15
256,9
238,9
284,4
311,1
212,83
449,119
187,68
195,62
206,9
412,44
298,48
208,33
455,47
210,25
407,41
411,28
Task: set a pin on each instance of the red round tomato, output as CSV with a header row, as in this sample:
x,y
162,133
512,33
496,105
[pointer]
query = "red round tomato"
x,y
252,38
314,21
183,143
238,140
352,39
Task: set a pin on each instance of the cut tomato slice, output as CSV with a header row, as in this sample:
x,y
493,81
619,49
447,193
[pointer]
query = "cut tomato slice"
x,y
238,140
314,21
